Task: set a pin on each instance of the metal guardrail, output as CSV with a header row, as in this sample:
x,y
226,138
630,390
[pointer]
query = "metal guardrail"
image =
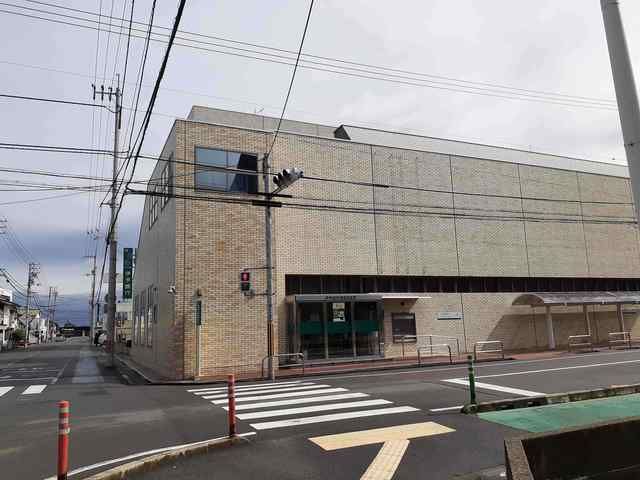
x,y
431,354
619,338
418,340
283,355
497,344
579,341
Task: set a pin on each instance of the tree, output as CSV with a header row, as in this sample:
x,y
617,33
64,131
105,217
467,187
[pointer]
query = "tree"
x,y
18,335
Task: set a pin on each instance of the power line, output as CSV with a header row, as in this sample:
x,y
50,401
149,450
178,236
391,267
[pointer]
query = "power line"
x,y
388,212
53,100
152,101
293,76
366,74
348,62
54,148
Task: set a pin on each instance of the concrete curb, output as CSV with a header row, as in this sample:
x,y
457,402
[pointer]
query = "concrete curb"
x,y
151,381
575,396
147,464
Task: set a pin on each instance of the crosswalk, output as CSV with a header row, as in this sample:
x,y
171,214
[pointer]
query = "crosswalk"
x,y
302,402
29,390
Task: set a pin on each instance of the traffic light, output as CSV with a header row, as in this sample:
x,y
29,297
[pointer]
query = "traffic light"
x,y
287,177
245,281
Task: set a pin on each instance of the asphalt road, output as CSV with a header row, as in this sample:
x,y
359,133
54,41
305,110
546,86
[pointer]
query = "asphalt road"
x,y
110,420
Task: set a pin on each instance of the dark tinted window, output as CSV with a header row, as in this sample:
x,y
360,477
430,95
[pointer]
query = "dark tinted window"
x,y
209,179
402,324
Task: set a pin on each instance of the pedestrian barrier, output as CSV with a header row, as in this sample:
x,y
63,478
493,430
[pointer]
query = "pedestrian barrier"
x,y
492,346
284,355
63,439
425,341
428,351
620,338
231,397
578,341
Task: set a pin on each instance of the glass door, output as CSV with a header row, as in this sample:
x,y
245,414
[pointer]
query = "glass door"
x,y
312,332
367,328
339,330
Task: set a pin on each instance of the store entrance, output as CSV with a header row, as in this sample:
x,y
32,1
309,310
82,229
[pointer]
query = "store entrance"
x,y
338,328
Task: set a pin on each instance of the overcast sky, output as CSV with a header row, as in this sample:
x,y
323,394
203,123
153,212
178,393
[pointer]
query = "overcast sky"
x,y
542,45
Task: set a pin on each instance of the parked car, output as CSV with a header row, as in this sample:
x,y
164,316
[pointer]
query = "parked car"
x,y
60,338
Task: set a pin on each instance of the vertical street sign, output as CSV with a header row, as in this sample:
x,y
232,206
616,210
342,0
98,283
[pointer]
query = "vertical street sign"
x,y
127,274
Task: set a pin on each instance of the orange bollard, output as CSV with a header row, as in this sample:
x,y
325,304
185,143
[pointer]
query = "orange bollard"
x,y
231,384
63,440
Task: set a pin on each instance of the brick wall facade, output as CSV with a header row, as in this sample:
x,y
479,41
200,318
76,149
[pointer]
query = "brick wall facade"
x,y
402,232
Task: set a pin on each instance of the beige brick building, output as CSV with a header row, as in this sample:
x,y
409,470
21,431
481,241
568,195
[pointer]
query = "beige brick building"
x,y
387,234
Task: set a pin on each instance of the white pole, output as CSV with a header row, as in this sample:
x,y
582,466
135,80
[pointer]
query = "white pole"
x,y
626,93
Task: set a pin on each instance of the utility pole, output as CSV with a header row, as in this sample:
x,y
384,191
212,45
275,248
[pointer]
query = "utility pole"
x,y
49,310
32,274
269,261
92,298
55,300
282,181
626,93
112,236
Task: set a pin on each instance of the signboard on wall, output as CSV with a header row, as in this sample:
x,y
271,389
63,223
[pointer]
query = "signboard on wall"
x,y
337,309
450,316
127,273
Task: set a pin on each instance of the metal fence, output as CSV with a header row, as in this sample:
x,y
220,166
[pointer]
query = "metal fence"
x,y
299,356
620,338
579,342
427,341
488,347
429,351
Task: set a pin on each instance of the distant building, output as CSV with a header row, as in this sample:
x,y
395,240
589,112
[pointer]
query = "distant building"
x,y
390,237
36,323
8,318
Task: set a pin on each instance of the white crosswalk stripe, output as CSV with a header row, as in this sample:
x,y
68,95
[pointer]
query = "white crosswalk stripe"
x,y
280,395
332,417
296,401
34,389
244,393
4,390
315,408
29,390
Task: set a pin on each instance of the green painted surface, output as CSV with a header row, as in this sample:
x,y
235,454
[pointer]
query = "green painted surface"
x,y
565,415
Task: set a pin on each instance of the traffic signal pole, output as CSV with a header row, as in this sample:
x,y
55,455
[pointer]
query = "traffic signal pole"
x,y
269,265
626,93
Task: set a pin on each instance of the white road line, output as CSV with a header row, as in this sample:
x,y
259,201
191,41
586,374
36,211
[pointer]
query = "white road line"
x,y
558,369
331,417
297,401
242,387
244,393
418,371
281,395
498,388
315,408
253,389
141,454
34,389
4,390
446,409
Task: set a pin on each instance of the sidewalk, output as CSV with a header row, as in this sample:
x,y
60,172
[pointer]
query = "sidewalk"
x,y
146,375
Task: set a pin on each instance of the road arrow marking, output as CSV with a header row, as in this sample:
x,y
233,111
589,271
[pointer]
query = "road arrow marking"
x,y
395,441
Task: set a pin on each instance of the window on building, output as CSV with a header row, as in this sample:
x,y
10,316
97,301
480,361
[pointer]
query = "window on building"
x,y
227,181
153,204
143,331
166,183
402,324
150,319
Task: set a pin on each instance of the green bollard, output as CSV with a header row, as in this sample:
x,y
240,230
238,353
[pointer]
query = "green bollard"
x,y
472,380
